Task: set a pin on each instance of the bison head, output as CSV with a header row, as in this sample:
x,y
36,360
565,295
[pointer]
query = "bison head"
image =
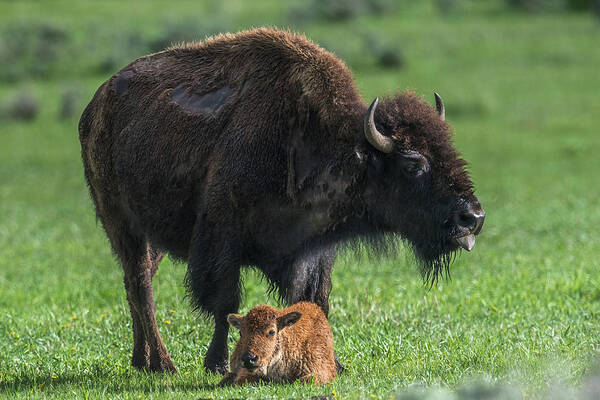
x,y
417,183
260,334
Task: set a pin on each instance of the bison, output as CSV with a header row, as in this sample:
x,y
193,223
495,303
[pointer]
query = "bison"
x,y
256,149
282,346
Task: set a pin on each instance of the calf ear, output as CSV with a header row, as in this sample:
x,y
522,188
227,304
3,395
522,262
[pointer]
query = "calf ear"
x,y
235,320
288,319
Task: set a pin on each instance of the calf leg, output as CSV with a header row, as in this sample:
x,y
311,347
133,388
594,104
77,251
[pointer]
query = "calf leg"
x,y
315,379
213,280
228,379
239,378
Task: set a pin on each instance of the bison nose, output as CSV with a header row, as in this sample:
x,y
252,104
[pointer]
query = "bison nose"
x,y
249,360
471,218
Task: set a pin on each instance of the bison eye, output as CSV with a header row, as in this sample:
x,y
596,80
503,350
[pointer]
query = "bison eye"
x,y
413,170
271,333
413,163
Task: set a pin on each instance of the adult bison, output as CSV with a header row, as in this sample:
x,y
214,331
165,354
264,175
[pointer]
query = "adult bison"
x,y
255,149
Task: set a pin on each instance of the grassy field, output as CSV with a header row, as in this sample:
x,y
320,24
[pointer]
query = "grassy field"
x,y
522,310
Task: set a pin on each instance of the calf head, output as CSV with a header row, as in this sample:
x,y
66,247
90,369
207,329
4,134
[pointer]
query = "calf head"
x,y
260,336
418,186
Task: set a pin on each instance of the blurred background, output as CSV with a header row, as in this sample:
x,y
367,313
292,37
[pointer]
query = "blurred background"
x,y
521,84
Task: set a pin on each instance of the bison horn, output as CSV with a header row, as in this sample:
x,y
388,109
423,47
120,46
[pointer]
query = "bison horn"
x,y
439,105
376,138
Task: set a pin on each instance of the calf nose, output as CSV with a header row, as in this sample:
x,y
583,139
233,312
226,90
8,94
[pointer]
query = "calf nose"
x,y
471,218
249,360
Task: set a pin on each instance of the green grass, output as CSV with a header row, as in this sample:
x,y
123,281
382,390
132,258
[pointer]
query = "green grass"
x,y
523,309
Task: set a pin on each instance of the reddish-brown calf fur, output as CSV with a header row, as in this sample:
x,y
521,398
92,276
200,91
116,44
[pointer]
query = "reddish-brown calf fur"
x,y
290,344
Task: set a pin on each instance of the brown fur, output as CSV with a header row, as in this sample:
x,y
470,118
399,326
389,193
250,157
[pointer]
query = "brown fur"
x,y
300,351
248,149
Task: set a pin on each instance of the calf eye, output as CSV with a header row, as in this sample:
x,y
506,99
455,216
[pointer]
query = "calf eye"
x,y
271,333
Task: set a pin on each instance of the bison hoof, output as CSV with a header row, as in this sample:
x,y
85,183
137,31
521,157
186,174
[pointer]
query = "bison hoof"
x,y
163,365
140,362
216,367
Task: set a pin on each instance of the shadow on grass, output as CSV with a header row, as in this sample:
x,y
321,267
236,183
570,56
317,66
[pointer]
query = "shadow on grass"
x,y
96,378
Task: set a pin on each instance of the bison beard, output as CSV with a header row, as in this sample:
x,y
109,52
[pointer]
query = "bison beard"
x,y
255,149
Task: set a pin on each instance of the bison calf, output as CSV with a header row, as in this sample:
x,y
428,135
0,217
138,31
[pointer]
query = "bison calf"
x,y
282,346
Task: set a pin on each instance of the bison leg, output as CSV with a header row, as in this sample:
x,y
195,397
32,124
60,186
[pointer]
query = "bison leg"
x,y
310,280
142,288
140,263
141,352
216,359
139,272
213,279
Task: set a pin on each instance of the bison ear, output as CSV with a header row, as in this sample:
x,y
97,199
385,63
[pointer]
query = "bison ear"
x,y
288,319
235,320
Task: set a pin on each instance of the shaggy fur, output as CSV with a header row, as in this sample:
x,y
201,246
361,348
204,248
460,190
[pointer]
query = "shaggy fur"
x,y
291,344
249,150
